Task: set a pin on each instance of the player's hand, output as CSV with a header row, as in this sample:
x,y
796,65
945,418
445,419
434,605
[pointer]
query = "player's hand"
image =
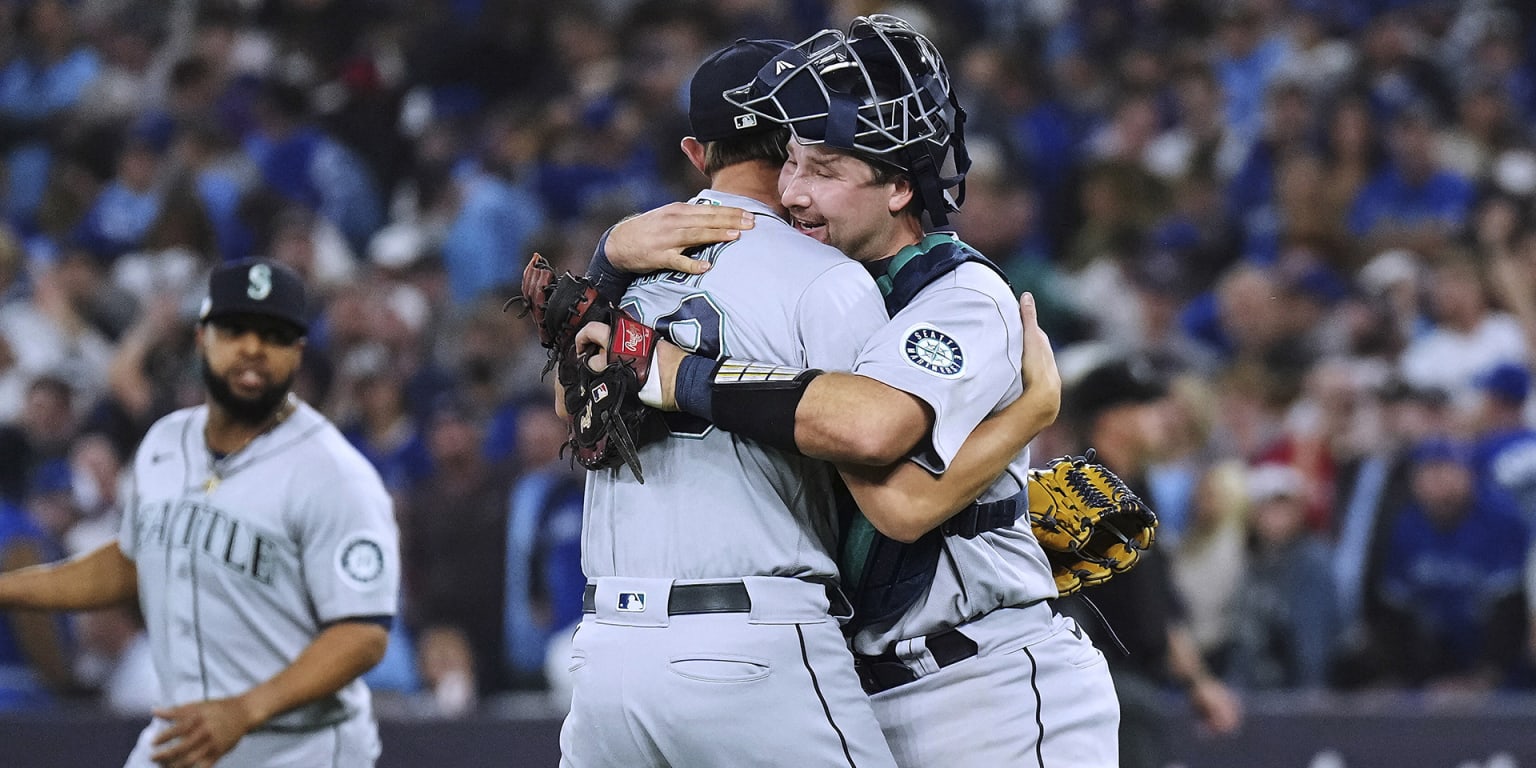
x,y
200,733
592,343
655,240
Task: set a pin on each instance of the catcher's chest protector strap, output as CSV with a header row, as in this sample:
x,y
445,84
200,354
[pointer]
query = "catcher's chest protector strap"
x,y
978,517
915,266
882,576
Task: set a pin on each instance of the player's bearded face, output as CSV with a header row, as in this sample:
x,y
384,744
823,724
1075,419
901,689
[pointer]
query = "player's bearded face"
x,y
245,409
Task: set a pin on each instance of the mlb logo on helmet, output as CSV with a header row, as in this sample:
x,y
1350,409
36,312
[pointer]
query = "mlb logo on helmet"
x,y
632,602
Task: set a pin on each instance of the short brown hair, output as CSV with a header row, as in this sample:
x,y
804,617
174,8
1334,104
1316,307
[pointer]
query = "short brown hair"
x,y
767,146
885,173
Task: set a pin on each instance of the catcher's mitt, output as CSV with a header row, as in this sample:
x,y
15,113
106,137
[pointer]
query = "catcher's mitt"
x,y
1089,523
606,416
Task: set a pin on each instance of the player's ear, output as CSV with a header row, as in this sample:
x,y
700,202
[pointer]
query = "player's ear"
x,y
694,149
901,194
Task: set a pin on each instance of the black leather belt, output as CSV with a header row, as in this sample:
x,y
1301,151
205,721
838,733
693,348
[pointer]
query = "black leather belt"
x,y
886,671
686,599
721,597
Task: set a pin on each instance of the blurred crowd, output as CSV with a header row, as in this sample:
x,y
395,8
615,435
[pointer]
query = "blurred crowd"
x,y
1308,226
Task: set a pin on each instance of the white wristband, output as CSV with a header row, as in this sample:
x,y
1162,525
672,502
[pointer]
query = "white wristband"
x,y
650,391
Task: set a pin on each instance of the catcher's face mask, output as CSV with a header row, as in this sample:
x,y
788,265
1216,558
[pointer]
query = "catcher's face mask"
x,y
880,90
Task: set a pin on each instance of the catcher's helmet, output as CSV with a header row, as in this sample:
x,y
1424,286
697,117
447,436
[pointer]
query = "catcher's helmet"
x,y
880,90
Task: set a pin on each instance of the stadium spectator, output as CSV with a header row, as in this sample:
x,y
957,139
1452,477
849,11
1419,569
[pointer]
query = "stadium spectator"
x,y
1285,620
1452,586
1469,336
454,546
1505,451
1413,202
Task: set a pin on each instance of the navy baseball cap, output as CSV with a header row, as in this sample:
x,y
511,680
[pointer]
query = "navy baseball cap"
x,y
710,116
256,287
1509,381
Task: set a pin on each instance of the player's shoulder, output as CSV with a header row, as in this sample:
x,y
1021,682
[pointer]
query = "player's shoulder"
x,y
329,459
786,246
171,429
969,284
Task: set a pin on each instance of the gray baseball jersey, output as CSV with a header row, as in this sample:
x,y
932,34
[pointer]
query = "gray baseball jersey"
x,y
237,577
714,505
1039,692
957,346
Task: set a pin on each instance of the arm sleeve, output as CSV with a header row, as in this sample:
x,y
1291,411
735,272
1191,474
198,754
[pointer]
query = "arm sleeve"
x,y
837,315
351,547
955,349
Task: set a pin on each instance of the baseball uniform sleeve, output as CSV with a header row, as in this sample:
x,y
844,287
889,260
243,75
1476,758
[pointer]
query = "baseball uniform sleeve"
x,y
837,315
350,545
954,348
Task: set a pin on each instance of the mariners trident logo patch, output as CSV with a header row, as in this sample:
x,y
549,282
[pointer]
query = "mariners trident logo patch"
x,y
934,350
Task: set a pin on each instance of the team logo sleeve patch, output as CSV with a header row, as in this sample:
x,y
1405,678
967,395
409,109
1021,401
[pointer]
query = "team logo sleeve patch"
x,y
360,563
934,351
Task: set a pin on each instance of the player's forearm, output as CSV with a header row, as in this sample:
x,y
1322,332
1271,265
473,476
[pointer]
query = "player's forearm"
x,y
336,657
854,419
97,579
840,417
905,501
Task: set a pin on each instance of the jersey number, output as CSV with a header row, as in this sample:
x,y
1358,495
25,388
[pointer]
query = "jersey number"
x,y
698,326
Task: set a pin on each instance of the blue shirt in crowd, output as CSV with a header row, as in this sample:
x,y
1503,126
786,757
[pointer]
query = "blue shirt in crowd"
x,y
1443,200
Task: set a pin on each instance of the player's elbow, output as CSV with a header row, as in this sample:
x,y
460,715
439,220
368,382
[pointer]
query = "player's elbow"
x,y
366,644
372,651
880,442
903,530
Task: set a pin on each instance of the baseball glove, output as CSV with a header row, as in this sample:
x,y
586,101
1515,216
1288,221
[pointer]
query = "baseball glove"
x,y
1089,523
607,419
560,307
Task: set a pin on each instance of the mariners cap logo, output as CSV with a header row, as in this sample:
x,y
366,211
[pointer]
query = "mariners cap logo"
x,y
260,285
934,350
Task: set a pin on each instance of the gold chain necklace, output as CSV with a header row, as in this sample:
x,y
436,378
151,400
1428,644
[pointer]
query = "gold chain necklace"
x,y
218,467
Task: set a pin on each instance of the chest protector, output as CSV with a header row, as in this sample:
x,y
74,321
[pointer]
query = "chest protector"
x,y
884,577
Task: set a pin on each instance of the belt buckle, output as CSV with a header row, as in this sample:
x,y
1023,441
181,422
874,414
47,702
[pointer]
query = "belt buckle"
x,y
881,675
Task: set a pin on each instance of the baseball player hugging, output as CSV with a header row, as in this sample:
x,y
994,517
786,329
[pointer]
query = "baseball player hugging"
x,y
262,550
963,658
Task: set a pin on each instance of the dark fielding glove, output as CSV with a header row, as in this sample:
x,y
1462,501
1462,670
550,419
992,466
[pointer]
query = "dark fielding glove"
x,y
1089,523
560,307
608,419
